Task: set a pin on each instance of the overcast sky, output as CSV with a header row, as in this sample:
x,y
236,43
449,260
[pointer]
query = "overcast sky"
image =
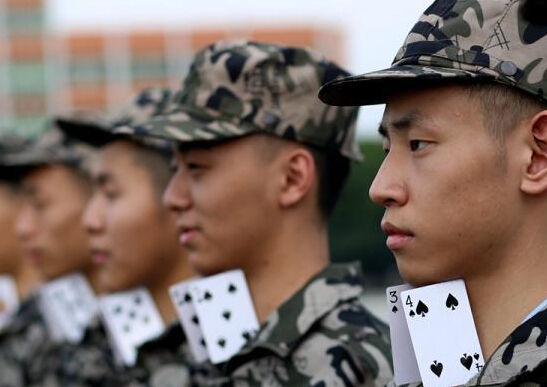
x,y
373,29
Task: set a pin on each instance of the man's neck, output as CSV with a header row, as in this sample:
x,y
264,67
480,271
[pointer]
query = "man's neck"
x,y
502,298
286,264
160,288
27,280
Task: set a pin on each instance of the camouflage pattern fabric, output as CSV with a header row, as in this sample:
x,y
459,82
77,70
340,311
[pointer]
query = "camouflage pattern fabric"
x,y
162,362
521,360
24,346
323,336
98,129
52,147
237,88
88,363
457,40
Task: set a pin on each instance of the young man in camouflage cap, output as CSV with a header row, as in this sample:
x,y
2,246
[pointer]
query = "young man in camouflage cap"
x,y
12,263
54,191
464,181
133,239
259,165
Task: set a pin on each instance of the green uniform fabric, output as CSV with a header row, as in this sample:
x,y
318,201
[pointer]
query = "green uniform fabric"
x,y
322,336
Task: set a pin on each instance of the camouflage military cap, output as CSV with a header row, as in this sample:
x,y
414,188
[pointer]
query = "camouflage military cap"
x,y
98,130
10,144
51,147
464,41
237,88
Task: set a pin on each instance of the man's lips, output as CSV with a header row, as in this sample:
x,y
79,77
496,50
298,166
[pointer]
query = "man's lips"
x,y
99,256
186,234
34,254
397,238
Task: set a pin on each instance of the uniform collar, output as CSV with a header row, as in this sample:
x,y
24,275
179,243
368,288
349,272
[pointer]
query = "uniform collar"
x,y
28,312
521,352
285,328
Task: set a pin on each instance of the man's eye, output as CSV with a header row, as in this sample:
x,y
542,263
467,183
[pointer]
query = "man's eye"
x,y
194,166
416,145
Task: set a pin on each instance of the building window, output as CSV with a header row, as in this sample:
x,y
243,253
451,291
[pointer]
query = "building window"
x,y
87,71
25,21
27,77
148,68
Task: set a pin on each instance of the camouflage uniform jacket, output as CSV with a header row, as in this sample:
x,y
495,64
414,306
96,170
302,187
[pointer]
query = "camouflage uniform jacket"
x,y
24,346
521,360
87,363
162,362
322,336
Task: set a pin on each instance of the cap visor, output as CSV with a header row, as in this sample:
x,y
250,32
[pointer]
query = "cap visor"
x,y
376,87
186,128
88,132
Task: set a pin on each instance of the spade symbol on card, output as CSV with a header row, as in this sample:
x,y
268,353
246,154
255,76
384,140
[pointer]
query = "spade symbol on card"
x,y
138,300
467,361
422,309
187,297
246,335
232,288
195,319
412,314
437,368
451,302
202,342
221,342
476,356
394,309
207,296
227,314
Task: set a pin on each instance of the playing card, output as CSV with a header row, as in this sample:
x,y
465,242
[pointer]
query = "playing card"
x,y
9,300
182,299
443,334
69,306
226,314
131,319
405,367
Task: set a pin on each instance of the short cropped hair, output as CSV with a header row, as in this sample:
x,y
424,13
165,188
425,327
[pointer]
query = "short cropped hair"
x,y
156,163
504,107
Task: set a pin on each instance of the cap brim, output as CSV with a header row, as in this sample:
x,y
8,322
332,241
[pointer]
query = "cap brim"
x,y
86,131
377,87
185,128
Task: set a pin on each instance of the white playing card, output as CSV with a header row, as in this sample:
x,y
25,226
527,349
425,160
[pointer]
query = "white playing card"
x,y
226,314
69,306
405,366
131,319
182,299
9,300
443,333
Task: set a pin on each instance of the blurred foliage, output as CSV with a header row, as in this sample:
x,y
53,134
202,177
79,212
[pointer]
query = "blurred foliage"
x,y
355,232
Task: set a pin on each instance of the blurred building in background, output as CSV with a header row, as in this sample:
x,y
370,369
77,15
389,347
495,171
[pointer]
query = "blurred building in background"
x,y
42,73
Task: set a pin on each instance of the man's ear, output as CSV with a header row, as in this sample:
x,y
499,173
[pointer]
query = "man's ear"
x,y
535,178
298,178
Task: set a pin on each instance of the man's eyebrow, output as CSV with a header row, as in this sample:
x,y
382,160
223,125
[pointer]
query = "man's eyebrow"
x,y
102,178
401,123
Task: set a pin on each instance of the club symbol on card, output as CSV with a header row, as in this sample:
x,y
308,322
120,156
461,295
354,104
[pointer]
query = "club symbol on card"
x,y
132,314
187,297
467,361
437,368
207,296
117,309
146,319
394,309
232,288
126,328
451,302
227,314
221,342
138,300
422,309
195,319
